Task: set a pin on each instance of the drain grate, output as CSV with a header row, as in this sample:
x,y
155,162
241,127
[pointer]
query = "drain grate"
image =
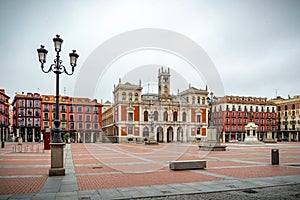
x,y
249,191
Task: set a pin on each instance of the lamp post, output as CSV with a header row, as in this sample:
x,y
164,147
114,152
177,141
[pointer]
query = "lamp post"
x,y
57,68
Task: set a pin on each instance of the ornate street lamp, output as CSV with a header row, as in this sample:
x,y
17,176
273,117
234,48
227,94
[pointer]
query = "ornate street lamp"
x,y
57,151
58,69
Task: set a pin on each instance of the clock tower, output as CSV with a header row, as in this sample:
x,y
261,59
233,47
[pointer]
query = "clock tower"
x,y
164,84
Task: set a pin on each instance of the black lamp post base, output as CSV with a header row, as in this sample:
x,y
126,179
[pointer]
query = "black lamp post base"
x,y
57,172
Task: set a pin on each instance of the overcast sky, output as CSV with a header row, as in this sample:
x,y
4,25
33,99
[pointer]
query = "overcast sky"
x,y
254,45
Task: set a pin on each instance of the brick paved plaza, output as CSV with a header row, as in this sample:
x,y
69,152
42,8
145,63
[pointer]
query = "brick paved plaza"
x,y
100,167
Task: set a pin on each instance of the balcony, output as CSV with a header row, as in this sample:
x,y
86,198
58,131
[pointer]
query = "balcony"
x,y
63,110
46,110
285,122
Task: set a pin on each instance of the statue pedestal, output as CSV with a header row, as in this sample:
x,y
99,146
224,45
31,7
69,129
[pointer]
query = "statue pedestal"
x,y
269,138
57,159
251,134
212,143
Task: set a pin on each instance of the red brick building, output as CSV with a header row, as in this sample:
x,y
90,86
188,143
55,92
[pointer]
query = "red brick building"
x,y
27,116
230,114
4,115
81,118
33,114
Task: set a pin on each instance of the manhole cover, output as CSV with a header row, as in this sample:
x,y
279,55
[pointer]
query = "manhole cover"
x,y
250,191
84,198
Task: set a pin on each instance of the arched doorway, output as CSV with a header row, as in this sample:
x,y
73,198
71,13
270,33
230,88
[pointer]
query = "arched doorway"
x,y
170,134
179,134
160,134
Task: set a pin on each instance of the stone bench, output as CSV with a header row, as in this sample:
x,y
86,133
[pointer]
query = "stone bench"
x,y
187,164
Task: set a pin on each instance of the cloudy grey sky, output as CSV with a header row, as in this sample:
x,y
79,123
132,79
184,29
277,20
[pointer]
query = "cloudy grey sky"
x,y
254,44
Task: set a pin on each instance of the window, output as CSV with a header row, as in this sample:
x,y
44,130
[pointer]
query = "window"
x,y
71,108
88,126
46,116
71,117
95,110
96,127
88,118
184,116
79,117
278,108
80,126
175,116
46,123
203,100
123,96
165,116
63,108
293,106
79,109
193,100
198,100
146,116
285,107
63,126
95,118
130,96
87,109
198,118
130,130
63,116
198,131
130,116
155,116
72,127
136,97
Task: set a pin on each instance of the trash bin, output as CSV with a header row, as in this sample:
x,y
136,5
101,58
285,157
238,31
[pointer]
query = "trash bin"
x,y
2,144
275,156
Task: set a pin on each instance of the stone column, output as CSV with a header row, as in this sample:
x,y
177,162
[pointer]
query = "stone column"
x,y
57,159
242,137
6,134
229,136
25,134
18,132
223,135
297,137
165,132
84,137
92,137
289,136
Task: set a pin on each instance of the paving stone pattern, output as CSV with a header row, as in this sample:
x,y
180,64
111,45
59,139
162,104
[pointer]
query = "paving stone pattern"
x,y
125,171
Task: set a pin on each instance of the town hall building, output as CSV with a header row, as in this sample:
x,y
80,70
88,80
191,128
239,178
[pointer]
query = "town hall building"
x,y
161,117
